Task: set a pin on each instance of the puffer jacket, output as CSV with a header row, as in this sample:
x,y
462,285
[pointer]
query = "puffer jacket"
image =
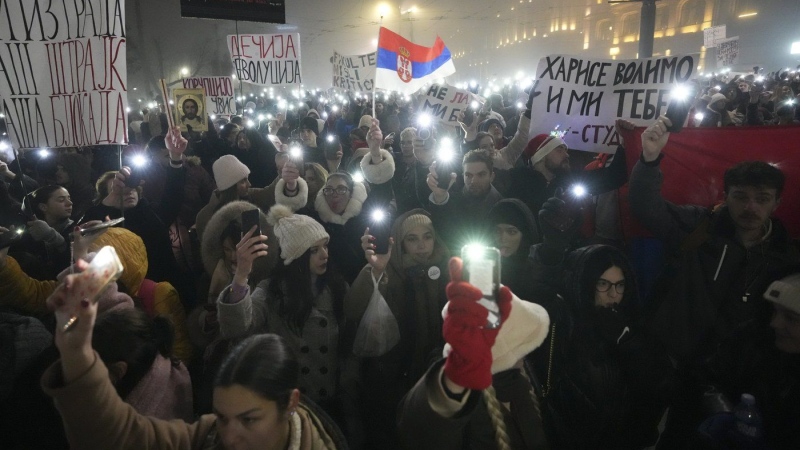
x,y
603,383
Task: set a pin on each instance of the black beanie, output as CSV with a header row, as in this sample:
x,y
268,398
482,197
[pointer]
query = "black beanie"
x,y
310,123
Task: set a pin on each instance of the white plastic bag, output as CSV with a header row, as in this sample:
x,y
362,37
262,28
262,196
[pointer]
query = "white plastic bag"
x,y
378,331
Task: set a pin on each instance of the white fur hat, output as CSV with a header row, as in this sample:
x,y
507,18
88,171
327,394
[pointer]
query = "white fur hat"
x,y
296,233
523,331
228,170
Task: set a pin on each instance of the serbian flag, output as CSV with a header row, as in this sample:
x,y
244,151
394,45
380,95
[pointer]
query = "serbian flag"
x,y
404,66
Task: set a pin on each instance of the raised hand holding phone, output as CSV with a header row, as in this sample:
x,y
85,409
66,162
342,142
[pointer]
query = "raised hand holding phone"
x,y
88,285
374,259
250,247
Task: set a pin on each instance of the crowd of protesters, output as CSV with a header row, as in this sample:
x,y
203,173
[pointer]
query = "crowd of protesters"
x,y
291,280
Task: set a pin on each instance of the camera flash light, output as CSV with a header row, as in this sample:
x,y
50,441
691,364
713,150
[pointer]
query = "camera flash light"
x,y
578,190
474,104
679,93
330,138
475,251
44,153
139,160
358,177
424,120
699,117
378,215
295,152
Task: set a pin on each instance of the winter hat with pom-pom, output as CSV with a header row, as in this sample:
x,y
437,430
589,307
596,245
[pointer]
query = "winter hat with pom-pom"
x,y
296,233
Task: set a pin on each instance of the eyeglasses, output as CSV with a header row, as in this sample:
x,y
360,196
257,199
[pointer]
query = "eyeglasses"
x,y
341,190
604,285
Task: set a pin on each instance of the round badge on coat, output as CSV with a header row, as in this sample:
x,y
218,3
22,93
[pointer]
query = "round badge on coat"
x,y
434,273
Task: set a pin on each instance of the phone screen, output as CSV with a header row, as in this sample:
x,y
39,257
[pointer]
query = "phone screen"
x,y
482,270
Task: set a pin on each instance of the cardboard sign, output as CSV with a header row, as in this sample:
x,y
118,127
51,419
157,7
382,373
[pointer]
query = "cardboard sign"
x,y
190,109
63,76
354,73
711,36
728,52
219,93
270,11
445,102
266,59
582,97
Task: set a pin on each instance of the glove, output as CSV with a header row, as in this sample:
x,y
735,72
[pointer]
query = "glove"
x,y
469,363
532,95
41,231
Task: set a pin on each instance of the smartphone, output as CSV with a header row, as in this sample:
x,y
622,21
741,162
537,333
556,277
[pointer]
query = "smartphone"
x,y
389,136
331,147
100,227
251,218
443,170
469,116
678,111
12,236
380,227
482,270
134,179
104,268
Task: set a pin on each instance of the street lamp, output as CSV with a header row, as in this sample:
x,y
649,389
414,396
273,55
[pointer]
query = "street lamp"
x,y
184,71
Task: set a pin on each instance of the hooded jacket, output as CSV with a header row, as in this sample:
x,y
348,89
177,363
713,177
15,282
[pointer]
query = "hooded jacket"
x,y
515,269
80,187
345,231
602,380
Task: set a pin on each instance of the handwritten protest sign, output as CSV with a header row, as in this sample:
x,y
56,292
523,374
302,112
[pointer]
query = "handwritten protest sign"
x,y
586,95
219,93
266,59
354,73
444,102
728,52
63,77
190,109
712,35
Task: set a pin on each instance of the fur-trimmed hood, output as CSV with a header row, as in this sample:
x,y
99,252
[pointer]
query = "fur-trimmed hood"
x,y
353,208
212,247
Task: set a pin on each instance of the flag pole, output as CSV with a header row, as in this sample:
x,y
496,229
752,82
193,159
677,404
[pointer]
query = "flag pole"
x,y
380,25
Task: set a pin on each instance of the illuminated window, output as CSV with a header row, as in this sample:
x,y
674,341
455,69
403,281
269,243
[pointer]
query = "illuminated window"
x,y
604,30
692,12
662,18
630,24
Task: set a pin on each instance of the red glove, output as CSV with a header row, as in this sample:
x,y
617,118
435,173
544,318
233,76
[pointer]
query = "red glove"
x,y
469,363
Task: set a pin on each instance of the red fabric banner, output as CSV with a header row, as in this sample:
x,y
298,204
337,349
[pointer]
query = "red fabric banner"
x,y
695,161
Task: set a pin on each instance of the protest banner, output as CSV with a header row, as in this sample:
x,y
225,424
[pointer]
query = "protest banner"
x,y
445,102
727,52
582,97
266,59
189,109
354,73
712,35
63,76
270,11
219,92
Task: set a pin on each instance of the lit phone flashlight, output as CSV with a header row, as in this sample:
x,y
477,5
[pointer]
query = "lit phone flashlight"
x,y
482,270
424,127
379,228
445,159
678,108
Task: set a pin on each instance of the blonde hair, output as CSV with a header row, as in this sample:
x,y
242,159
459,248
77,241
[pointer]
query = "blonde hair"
x,y
496,415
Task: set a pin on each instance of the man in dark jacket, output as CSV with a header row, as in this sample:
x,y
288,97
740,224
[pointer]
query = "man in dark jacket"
x,y
460,216
721,260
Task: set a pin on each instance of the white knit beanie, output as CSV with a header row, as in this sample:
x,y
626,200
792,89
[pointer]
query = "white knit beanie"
x,y
228,170
296,233
366,121
549,144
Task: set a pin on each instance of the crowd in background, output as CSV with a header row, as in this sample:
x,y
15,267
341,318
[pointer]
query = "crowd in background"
x,y
288,282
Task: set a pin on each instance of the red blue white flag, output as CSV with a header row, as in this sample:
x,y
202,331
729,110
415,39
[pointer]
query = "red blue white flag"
x,y
405,66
